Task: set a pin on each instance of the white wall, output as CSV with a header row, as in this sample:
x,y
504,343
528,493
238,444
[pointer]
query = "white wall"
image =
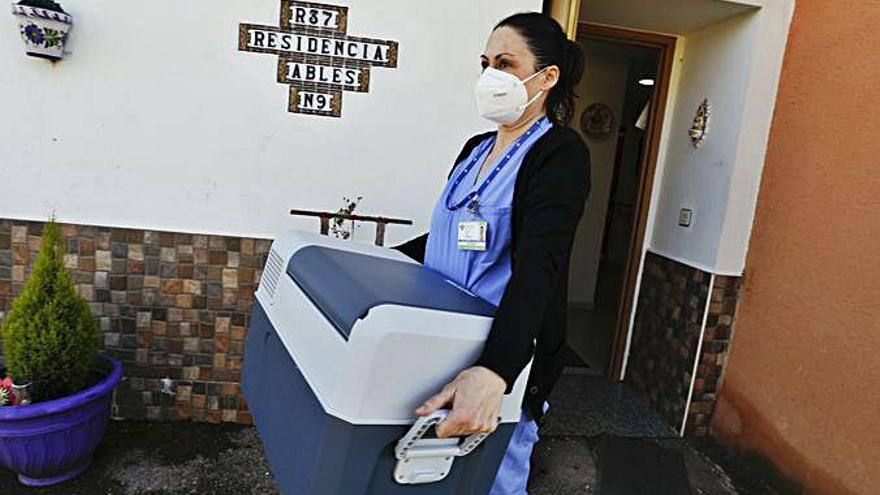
x,y
604,82
156,120
736,65
746,178
716,65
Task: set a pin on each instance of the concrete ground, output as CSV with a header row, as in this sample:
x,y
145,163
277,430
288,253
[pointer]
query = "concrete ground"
x,y
147,458
150,458
567,466
141,458
585,411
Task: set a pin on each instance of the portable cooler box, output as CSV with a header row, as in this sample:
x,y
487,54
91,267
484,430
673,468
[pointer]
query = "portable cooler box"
x,y
346,340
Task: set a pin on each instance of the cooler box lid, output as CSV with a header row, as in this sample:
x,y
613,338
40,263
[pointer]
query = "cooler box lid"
x,y
344,285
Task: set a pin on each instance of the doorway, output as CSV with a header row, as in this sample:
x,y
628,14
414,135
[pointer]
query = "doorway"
x,y
618,113
727,61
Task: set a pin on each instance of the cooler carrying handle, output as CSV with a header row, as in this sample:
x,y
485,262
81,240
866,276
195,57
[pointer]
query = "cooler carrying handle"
x,y
426,460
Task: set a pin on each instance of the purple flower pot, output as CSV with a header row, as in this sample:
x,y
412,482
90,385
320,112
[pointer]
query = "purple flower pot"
x,y
50,442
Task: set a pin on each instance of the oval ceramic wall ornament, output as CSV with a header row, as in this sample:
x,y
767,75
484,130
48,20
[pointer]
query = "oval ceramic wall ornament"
x,y
597,121
700,127
44,27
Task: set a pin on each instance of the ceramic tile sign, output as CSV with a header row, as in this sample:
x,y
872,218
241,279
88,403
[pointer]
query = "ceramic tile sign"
x,y
316,56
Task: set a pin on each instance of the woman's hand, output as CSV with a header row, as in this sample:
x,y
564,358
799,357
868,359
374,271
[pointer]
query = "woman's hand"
x,y
475,396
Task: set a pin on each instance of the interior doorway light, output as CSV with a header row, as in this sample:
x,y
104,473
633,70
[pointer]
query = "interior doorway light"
x,y
647,81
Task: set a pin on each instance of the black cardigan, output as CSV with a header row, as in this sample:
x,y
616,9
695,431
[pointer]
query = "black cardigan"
x,y
552,186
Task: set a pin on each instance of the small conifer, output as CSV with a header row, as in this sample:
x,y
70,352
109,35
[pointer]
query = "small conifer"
x,y
50,336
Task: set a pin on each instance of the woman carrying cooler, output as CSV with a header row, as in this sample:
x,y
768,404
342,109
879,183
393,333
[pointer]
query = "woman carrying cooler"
x,y
503,228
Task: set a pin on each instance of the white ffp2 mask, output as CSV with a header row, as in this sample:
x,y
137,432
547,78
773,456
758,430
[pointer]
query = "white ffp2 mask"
x,y
501,96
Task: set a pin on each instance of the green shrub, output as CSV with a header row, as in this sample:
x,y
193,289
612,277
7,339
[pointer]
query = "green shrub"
x,y
50,335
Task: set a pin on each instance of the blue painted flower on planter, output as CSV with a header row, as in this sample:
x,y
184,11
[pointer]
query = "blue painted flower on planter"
x,y
34,34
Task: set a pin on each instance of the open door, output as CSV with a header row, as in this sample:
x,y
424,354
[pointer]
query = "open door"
x,y
620,108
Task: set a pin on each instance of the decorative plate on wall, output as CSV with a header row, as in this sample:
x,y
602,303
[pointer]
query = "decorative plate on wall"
x,y
597,121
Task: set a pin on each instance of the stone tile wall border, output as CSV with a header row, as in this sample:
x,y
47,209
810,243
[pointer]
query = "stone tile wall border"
x,y
669,316
176,305
169,304
668,324
715,351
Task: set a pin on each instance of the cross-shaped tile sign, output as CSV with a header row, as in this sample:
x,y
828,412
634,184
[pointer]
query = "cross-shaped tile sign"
x,y
315,55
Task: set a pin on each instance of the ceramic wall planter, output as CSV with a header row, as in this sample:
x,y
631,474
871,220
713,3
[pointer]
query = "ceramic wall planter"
x,y
49,442
44,31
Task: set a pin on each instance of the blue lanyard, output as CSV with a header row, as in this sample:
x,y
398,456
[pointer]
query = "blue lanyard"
x,y
472,198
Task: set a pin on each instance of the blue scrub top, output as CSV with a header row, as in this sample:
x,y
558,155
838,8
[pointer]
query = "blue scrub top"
x,y
485,273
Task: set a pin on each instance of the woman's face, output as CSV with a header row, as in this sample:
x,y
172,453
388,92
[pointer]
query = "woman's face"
x,y
508,51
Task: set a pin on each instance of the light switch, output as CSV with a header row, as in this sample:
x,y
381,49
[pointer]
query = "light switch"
x,y
685,217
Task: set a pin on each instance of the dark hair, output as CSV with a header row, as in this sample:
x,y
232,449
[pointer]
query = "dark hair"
x,y
548,42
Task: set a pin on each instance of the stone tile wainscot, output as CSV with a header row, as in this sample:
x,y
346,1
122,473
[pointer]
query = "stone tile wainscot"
x,y
168,304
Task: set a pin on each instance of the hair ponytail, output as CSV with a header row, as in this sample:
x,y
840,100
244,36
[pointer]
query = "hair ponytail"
x,y
548,42
570,72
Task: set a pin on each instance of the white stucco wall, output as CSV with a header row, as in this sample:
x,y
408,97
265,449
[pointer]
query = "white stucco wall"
x,y
699,178
156,120
736,65
757,115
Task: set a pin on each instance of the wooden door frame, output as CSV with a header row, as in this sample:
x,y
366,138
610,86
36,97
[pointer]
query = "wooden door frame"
x,y
648,168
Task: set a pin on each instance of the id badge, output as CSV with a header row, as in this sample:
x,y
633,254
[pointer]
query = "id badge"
x,y
472,235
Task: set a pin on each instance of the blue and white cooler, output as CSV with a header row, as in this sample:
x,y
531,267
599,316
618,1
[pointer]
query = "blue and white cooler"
x,y
346,340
